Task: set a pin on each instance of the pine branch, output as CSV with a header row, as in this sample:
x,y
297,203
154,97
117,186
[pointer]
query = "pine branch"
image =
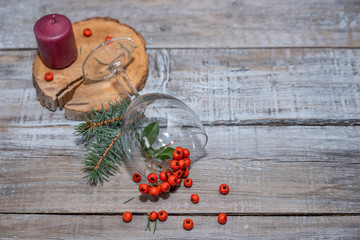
x,y
104,156
100,132
97,119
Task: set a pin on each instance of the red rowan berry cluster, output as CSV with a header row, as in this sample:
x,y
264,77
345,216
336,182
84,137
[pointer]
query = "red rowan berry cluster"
x,y
171,177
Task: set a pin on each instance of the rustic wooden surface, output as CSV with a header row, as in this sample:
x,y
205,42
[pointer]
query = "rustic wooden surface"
x,y
276,84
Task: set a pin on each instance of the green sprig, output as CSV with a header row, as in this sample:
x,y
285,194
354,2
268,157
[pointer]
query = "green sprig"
x,y
100,133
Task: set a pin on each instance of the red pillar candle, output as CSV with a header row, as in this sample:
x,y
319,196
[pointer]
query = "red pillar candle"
x,y
55,39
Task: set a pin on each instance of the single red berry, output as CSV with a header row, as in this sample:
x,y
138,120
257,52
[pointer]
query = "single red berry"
x,y
49,76
187,162
136,177
178,181
154,191
194,198
108,38
173,180
178,153
174,165
188,224
127,216
186,153
165,187
87,32
144,188
178,173
164,176
222,218
186,173
152,177
159,187
224,189
162,216
182,164
153,216
188,182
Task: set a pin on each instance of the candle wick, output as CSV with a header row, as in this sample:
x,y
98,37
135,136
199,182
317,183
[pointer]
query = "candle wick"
x,y
53,19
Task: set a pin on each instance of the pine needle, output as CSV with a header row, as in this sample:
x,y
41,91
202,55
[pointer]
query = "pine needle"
x,y
128,200
148,225
155,226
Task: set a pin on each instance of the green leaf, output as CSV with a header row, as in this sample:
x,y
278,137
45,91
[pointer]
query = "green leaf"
x,y
166,154
150,133
159,149
137,135
151,151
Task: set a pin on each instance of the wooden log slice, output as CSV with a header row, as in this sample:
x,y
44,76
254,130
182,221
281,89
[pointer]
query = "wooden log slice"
x,y
69,90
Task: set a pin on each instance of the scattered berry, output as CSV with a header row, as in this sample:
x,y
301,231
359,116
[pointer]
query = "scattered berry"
x,y
222,218
152,177
186,173
108,38
164,176
224,189
87,32
174,165
136,177
154,191
173,180
182,164
127,216
188,182
178,153
159,187
178,181
153,216
178,173
187,162
194,198
188,224
186,153
165,187
144,188
49,76
162,216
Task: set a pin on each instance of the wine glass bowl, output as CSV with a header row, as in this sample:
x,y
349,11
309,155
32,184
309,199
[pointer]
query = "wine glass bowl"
x,y
178,126
154,124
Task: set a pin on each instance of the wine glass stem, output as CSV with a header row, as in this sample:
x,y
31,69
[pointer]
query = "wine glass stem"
x,y
118,71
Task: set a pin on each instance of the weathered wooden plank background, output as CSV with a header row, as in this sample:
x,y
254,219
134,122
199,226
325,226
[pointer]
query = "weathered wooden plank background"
x,y
109,227
271,170
239,86
193,24
276,84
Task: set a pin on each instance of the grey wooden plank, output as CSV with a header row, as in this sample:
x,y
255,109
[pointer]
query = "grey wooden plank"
x,y
193,24
223,86
270,170
205,227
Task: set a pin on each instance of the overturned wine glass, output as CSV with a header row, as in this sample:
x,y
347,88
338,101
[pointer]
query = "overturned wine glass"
x,y
154,124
